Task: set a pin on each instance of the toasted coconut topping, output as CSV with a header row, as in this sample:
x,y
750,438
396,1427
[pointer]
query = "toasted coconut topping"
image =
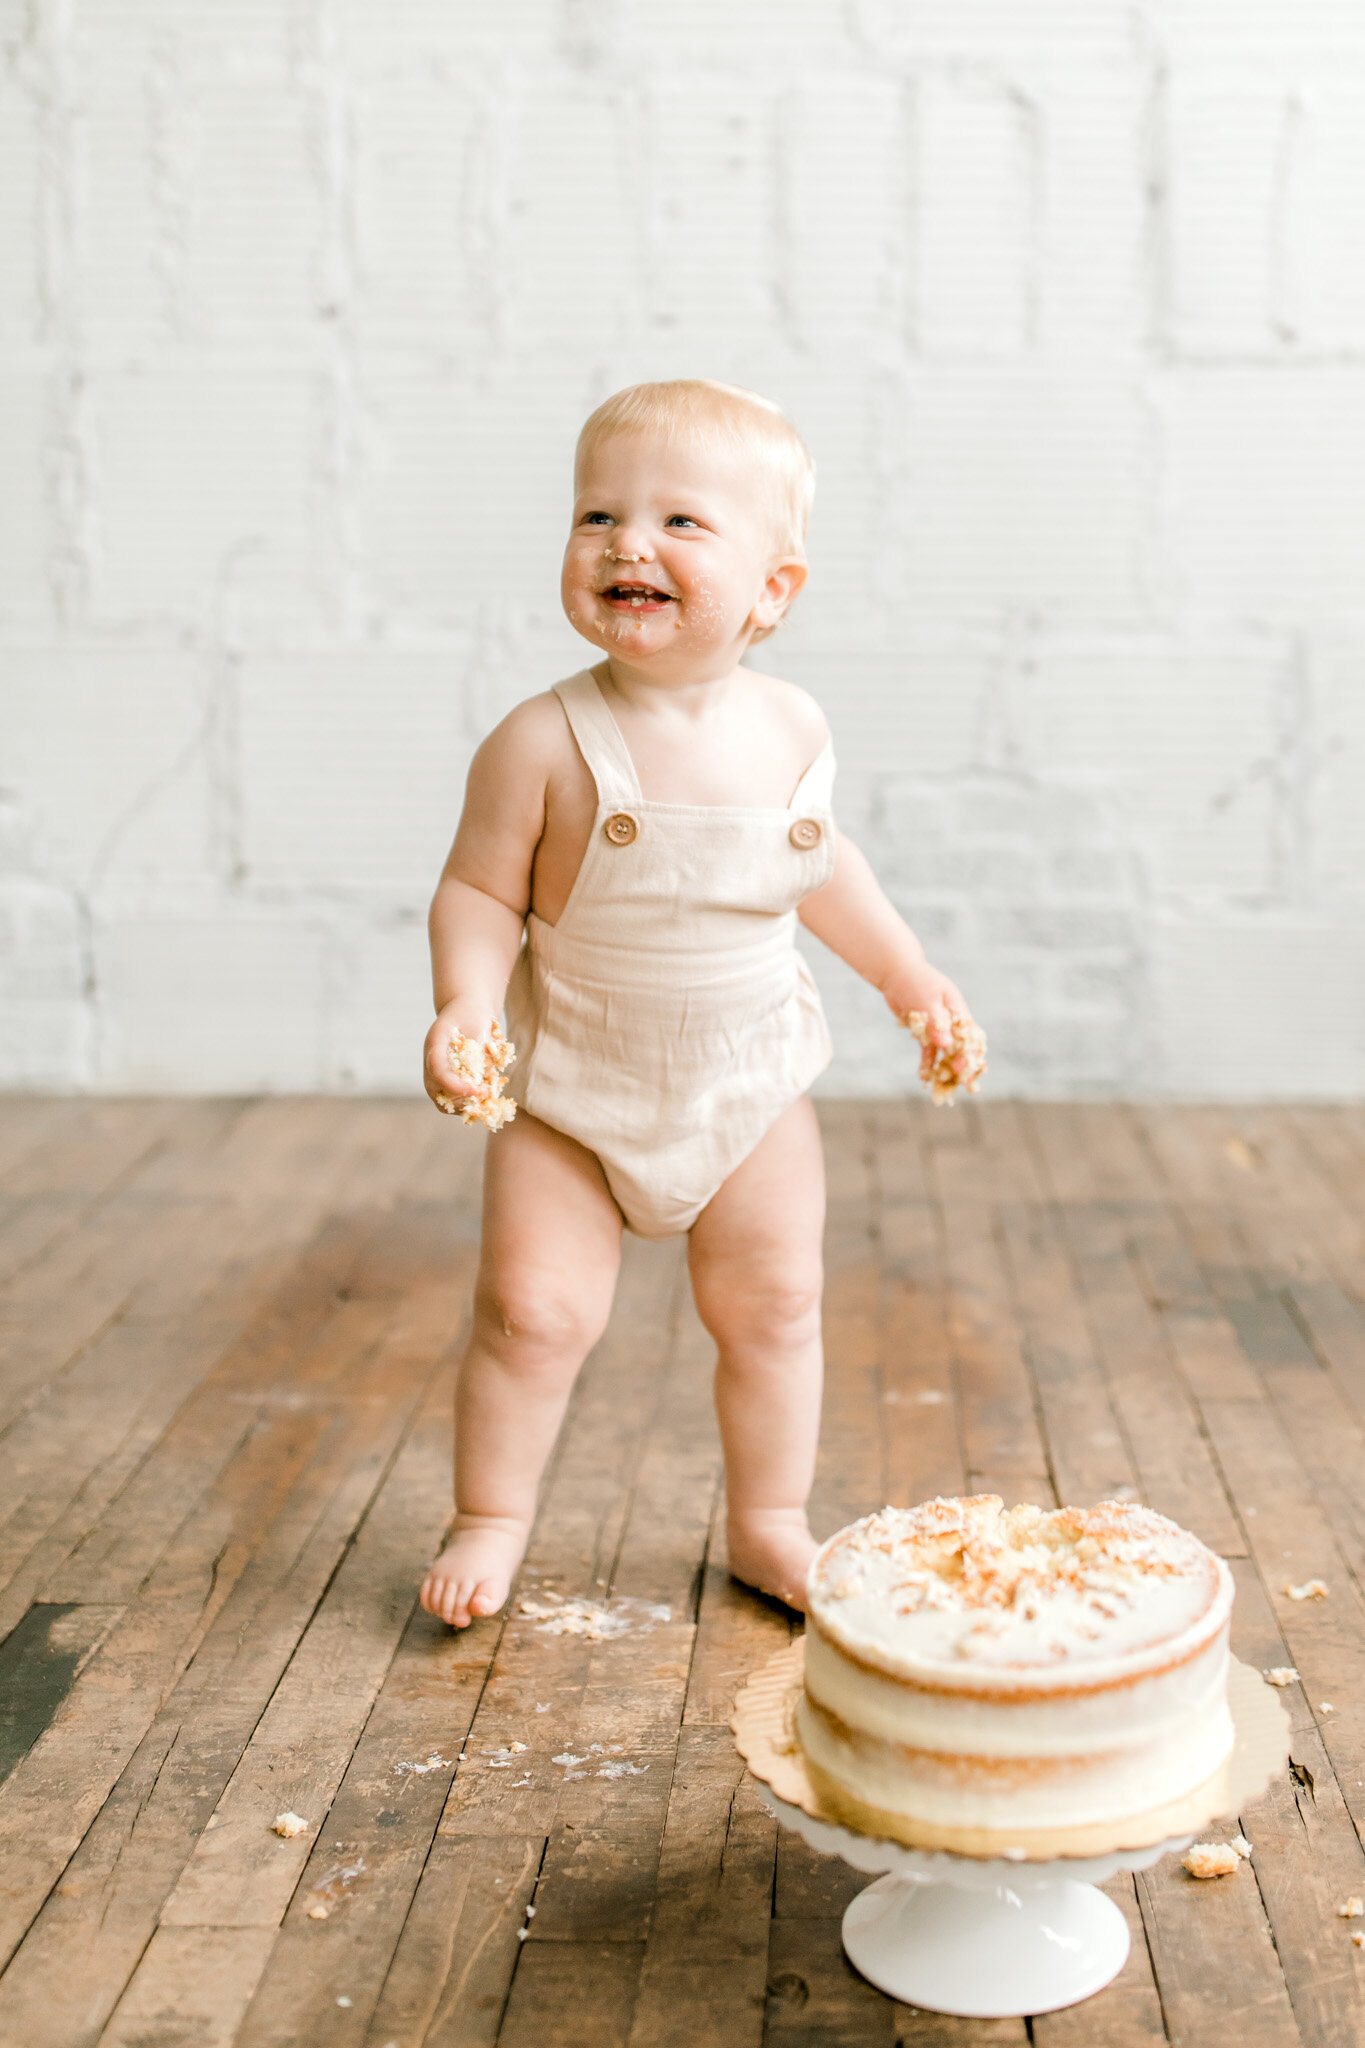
x,y
972,1579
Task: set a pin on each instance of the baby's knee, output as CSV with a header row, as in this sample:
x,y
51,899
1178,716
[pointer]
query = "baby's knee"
x,y
740,1307
533,1324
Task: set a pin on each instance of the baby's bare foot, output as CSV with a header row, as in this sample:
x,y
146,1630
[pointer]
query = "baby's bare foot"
x,y
771,1548
472,1575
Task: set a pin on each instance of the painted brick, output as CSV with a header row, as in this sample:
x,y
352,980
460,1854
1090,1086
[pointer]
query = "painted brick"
x,y
1266,517
211,497
1335,810
845,206
1259,1008
235,1003
20,201
978,197
1231,152
1026,492
363,802
28,532
303,307
108,746
44,1014
375,1029
1187,738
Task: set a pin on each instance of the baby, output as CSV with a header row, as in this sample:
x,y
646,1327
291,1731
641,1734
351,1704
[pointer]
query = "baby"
x,y
635,848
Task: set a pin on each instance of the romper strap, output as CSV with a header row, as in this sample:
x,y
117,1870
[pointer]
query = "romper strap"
x,y
816,788
599,740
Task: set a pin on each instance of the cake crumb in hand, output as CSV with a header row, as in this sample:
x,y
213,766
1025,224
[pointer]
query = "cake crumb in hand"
x,y
1211,1859
1311,1589
289,1824
484,1062
945,1069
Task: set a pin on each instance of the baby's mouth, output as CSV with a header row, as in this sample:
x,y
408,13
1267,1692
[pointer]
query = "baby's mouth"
x,y
636,597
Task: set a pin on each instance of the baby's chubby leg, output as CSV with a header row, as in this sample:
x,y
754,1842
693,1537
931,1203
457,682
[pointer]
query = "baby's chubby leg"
x,y
548,1262
755,1256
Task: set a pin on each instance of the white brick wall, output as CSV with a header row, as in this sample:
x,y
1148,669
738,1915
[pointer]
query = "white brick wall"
x,y
303,301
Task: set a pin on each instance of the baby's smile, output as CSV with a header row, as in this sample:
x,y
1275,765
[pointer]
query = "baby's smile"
x,y
635,597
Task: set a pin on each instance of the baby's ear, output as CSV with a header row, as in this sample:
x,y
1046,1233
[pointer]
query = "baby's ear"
x,y
783,582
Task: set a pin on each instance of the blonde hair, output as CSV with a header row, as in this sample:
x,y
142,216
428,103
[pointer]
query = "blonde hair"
x,y
738,422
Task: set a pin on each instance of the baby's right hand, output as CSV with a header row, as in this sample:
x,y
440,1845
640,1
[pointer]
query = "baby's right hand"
x,y
440,1076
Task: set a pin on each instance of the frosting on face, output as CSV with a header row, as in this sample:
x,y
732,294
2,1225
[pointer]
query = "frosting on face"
x,y
970,1583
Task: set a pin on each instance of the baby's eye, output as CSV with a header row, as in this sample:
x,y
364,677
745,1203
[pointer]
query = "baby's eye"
x,y
597,519
680,519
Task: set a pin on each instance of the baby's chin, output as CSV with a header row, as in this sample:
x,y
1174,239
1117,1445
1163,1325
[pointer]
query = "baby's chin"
x,y
674,637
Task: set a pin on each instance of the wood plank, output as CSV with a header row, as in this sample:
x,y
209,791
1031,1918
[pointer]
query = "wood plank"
x,y
191,1989
1087,1454
1215,1960
918,2029
74,1174
448,1984
77,1957
32,1123
240,1874
369,1856
52,1796
703,1979
1291,1541
921,1445
1000,1430
572,1995
1308,1857
1162,1427
816,1999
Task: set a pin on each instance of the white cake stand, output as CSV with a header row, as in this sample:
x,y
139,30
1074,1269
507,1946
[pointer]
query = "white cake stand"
x,y
981,1940
1004,1929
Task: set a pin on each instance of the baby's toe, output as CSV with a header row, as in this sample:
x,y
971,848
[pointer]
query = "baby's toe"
x,y
448,1602
488,1596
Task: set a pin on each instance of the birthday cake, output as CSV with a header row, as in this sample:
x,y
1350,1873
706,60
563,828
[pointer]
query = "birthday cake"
x,y
969,1665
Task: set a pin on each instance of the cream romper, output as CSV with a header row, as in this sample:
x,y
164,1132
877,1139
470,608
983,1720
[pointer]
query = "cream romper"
x,y
667,1019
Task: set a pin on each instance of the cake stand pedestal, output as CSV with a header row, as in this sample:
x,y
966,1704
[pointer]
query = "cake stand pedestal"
x,y
979,1939
985,1925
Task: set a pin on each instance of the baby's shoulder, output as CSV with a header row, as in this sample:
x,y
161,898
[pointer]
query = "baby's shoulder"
x,y
794,709
533,734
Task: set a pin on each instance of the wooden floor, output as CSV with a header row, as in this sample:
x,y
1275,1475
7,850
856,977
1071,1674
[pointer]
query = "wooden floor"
x,y
229,1331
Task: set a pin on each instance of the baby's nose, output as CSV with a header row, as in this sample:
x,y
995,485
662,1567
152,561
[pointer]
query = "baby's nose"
x,y
629,545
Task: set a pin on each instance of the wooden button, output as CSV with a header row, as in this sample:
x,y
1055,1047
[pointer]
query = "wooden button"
x,y
804,834
621,828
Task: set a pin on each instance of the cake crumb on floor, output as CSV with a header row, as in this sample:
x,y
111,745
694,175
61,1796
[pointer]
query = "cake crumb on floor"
x,y
1281,1674
1352,1908
289,1824
1311,1589
1211,1859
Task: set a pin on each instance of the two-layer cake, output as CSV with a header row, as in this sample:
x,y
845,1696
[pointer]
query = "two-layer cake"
x,y
972,1666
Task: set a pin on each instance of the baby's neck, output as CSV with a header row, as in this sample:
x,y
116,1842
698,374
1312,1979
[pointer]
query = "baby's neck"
x,y
695,690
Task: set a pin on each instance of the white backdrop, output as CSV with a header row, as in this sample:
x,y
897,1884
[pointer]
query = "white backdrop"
x,y
304,304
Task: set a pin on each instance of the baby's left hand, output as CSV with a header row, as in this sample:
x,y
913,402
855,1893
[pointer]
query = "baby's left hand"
x,y
924,988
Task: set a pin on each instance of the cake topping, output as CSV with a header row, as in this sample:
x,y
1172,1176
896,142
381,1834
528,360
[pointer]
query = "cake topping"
x,y
973,1580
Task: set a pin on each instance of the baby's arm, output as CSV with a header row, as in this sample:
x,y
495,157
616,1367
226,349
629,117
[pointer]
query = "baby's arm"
x,y
479,910
855,920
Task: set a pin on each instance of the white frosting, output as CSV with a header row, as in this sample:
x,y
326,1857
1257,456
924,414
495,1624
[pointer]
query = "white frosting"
x,y
972,1666
987,1596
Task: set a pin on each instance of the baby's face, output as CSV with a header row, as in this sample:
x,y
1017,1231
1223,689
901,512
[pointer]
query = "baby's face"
x,y
670,564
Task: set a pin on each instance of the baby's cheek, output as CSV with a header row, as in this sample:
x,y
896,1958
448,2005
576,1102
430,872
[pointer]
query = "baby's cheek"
x,y
580,610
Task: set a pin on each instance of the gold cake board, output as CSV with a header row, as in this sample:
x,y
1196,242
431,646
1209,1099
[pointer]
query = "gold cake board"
x,y
764,1731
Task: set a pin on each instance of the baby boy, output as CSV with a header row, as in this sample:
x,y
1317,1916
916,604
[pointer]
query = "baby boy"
x,y
635,848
